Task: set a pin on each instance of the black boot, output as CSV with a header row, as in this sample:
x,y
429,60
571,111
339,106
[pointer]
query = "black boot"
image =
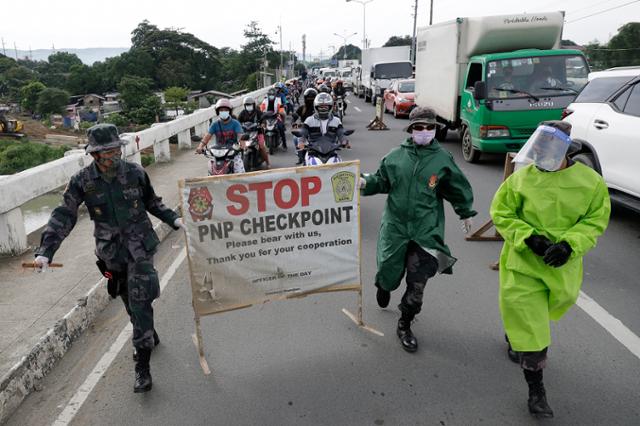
x,y
537,402
143,381
407,339
156,342
382,297
513,355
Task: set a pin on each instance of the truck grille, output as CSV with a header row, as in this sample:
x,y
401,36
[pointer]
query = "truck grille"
x,y
521,132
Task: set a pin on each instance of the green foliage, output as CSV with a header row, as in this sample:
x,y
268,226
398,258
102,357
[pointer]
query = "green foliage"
x,y
85,125
133,91
622,50
147,113
399,41
176,94
147,159
190,106
18,156
353,52
118,119
29,94
52,101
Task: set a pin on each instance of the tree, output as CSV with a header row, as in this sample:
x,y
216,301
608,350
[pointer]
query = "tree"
x,y
175,96
52,101
399,41
148,112
133,91
625,46
353,52
29,94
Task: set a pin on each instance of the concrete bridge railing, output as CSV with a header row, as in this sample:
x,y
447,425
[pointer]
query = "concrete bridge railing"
x,y
20,188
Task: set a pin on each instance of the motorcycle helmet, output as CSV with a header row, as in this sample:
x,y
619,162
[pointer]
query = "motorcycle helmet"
x,y
223,103
324,89
310,94
271,93
323,104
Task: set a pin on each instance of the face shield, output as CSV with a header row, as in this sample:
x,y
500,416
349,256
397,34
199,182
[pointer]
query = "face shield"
x,y
546,148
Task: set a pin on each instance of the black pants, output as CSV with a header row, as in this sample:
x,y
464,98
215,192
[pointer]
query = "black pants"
x,y
420,266
533,361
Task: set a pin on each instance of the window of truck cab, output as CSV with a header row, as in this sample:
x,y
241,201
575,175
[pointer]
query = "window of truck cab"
x,y
540,76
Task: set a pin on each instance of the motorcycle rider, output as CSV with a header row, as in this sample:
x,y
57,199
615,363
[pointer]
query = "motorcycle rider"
x,y
227,131
252,114
273,103
339,91
323,88
303,112
323,121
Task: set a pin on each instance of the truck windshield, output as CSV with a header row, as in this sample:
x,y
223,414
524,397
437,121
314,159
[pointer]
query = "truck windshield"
x,y
346,74
543,76
393,70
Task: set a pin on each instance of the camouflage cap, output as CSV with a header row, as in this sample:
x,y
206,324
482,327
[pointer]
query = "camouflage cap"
x,y
102,137
422,115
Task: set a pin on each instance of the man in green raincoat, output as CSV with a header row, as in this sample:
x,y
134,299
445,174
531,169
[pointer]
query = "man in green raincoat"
x,y
418,176
550,214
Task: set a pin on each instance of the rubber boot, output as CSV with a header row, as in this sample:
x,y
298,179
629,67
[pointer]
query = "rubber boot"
x,y
513,355
538,406
382,297
407,339
156,342
143,381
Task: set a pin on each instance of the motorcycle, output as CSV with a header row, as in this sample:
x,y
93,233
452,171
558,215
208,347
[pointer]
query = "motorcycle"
x,y
271,134
321,149
220,157
339,107
252,157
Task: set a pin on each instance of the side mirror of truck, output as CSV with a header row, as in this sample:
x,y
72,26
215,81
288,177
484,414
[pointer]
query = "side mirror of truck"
x,y
479,90
371,75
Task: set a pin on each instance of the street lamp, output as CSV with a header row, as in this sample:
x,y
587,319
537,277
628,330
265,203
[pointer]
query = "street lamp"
x,y
364,28
344,38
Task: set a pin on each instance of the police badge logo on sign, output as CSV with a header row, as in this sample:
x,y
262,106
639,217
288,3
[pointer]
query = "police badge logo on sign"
x,y
343,186
200,204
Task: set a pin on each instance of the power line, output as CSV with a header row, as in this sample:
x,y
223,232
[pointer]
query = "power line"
x,y
590,6
603,11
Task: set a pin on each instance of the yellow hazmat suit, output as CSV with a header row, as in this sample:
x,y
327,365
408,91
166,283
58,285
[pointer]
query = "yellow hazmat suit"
x,y
571,205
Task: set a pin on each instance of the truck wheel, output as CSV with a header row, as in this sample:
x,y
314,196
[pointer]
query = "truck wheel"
x,y
585,158
469,152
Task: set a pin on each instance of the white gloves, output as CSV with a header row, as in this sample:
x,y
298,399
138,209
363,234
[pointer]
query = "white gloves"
x,y
42,263
466,225
179,223
362,183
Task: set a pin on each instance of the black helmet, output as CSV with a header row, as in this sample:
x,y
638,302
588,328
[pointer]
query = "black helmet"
x,y
310,94
324,89
271,92
323,104
103,137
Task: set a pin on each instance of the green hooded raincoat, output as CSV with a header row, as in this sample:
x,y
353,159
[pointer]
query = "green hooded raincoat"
x,y
569,205
417,180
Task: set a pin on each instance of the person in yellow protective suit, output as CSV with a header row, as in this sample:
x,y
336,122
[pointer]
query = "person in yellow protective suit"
x,y
550,214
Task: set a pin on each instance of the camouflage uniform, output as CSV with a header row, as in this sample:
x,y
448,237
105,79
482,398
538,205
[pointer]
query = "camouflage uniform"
x,y
125,239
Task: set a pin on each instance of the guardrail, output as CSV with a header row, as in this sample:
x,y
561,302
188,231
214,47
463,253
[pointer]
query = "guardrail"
x,y
20,188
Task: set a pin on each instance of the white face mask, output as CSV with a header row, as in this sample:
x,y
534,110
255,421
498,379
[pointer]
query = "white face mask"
x,y
224,115
423,137
249,108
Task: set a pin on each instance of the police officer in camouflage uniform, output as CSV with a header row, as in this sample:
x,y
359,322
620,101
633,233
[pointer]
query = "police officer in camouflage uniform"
x,y
118,195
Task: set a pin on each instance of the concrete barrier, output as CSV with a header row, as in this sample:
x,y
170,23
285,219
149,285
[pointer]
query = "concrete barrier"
x,y
15,190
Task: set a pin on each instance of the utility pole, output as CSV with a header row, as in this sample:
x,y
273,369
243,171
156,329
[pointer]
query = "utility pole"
x,y
344,38
4,51
364,20
15,49
281,54
414,41
304,48
431,14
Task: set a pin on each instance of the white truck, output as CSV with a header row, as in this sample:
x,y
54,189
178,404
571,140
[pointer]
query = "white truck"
x,y
379,67
496,77
348,63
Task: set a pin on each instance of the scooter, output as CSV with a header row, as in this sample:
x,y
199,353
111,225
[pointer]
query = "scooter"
x,y
321,149
220,157
252,157
340,107
271,134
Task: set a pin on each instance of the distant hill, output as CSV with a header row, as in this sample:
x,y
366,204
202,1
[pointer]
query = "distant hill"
x,y
88,56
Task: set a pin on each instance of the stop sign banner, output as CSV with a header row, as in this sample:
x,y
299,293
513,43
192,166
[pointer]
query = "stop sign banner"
x,y
270,235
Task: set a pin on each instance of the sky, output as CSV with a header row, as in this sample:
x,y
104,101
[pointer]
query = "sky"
x,y
44,23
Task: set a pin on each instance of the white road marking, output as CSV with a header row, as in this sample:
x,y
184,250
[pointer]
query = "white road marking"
x,y
347,101
357,109
610,323
76,402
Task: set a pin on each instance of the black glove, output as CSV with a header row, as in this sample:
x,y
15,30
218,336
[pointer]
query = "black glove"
x,y
538,244
558,254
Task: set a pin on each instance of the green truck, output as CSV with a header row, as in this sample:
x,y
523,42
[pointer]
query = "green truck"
x,y
495,78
